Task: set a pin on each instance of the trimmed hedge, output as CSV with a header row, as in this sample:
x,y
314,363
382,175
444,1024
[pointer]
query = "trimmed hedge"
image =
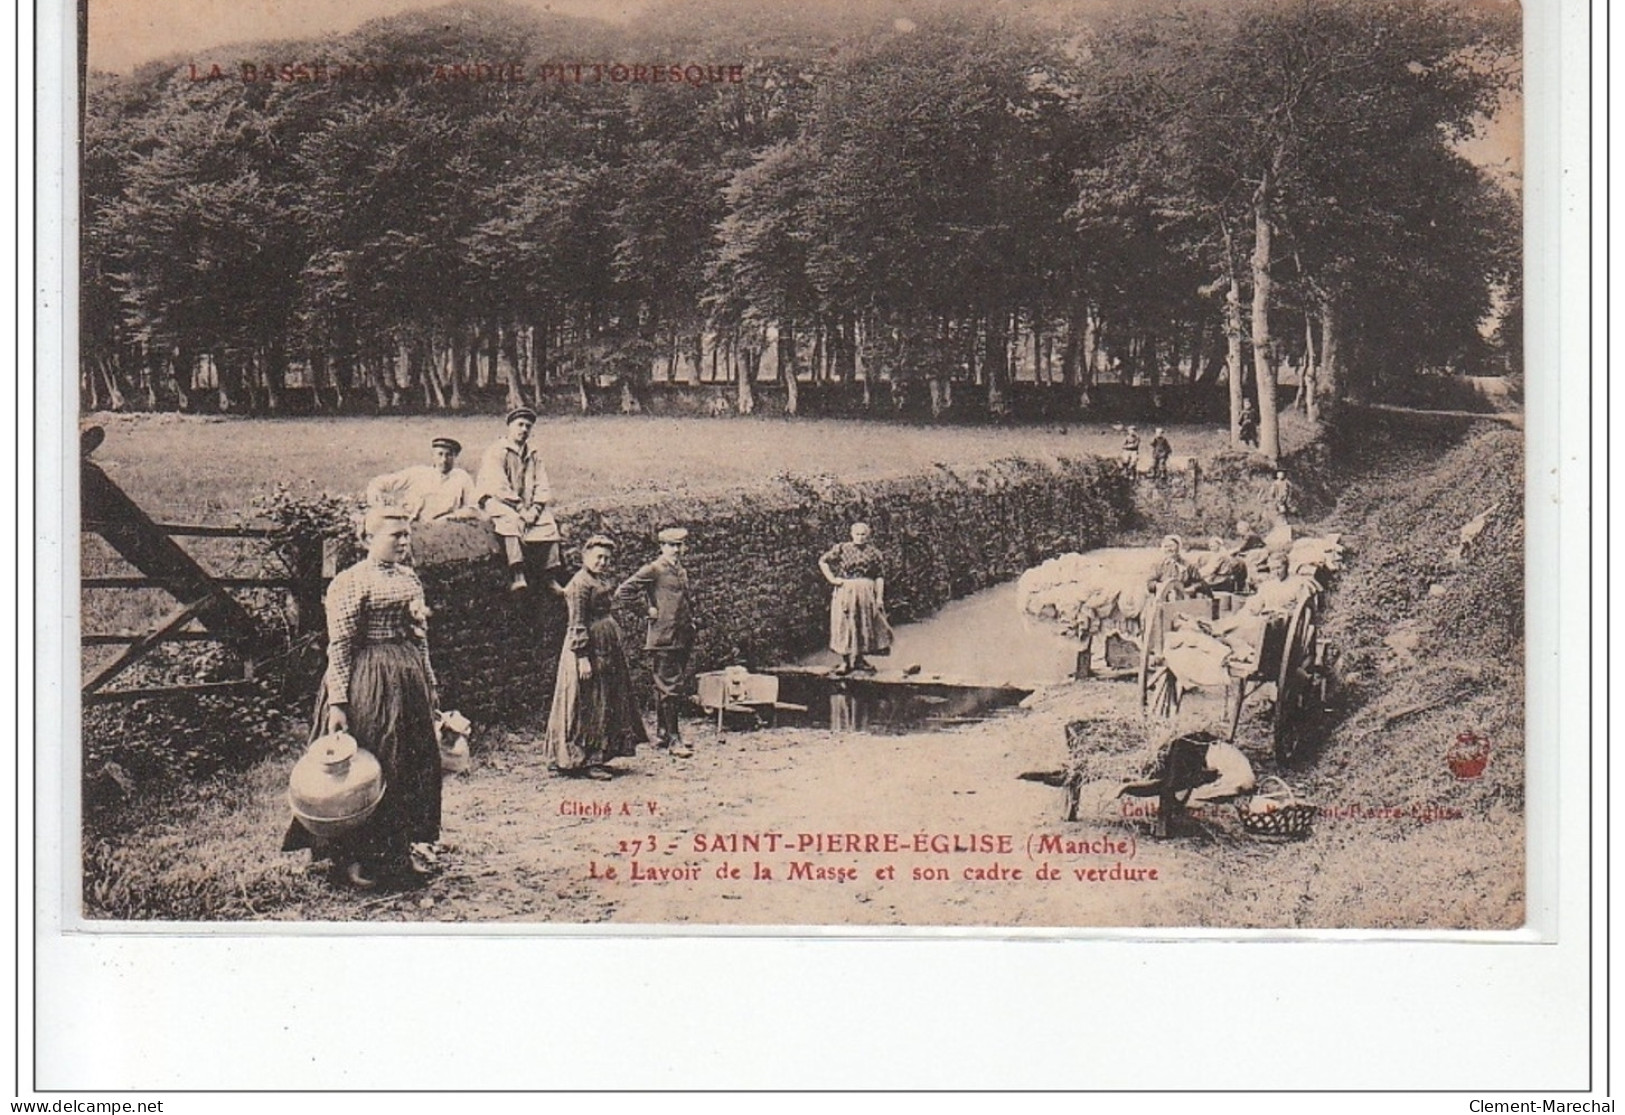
x,y
758,596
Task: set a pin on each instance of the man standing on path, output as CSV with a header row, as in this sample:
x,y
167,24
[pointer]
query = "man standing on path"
x,y
514,492
1131,453
662,586
1248,423
1160,452
1281,495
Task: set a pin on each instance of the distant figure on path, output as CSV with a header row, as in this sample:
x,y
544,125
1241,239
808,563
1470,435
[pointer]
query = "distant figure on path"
x,y
1281,494
595,715
1131,452
437,491
1249,423
857,610
514,492
1160,452
662,586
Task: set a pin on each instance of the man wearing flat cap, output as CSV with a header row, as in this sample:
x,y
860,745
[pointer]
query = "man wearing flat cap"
x,y
1161,452
662,586
514,492
437,491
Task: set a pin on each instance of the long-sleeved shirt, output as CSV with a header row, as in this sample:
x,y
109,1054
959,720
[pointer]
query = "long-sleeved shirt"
x,y
372,602
511,479
424,491
662,585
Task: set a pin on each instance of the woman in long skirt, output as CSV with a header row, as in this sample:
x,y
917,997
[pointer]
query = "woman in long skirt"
x,y
857,610
595,715
380,688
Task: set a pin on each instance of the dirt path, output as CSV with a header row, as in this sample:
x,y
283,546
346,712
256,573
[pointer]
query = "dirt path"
x,y
1506,418
520,845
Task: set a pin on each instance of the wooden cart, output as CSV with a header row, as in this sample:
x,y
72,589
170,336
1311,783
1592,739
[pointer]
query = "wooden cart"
x,y
1291,658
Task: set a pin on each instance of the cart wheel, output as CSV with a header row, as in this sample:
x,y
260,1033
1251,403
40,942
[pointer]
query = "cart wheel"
x,y
1294,685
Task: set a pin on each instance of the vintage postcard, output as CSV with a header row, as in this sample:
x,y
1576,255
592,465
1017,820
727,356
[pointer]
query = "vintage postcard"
x,y
1054,466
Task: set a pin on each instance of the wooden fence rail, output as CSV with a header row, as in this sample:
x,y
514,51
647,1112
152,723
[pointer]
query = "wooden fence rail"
x,y
201,597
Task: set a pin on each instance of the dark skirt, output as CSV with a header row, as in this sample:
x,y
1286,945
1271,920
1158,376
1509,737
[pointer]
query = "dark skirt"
x,y
595,720
391,714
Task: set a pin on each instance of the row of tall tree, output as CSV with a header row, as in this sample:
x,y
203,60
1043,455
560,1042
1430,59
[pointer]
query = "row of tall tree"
x,y
1174,190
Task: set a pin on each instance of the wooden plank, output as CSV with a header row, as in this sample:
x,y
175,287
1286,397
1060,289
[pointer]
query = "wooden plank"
x,y
893,679
140,541
155,582
114,640
105,695
215,531
177,619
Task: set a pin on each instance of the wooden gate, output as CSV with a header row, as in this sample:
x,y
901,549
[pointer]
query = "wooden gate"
x,y
201,598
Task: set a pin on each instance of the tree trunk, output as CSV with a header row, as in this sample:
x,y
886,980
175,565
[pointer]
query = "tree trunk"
x,y
181,370
1269,427
1306,383
276,375
1151,357
1207,369
228,381
514,350
540,361
862,355
1232,336
846,357
995,361
1072,353
494,340
745,398
342,370
1090,356
1328,384
427,358
377,367
456,361
787,367
320,374
115,397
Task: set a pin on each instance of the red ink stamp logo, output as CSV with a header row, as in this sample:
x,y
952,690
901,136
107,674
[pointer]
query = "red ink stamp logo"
x,y
1468,756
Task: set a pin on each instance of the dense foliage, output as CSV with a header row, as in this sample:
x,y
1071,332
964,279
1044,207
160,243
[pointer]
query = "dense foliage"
x,y
944,193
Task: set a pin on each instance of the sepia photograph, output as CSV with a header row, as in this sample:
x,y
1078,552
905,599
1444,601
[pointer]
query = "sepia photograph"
x,y
1050,466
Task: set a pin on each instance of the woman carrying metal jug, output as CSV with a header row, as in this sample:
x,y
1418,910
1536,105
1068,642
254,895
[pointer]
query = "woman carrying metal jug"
x,y
380,688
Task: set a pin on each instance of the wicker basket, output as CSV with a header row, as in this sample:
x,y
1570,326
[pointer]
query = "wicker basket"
x,y
1283,816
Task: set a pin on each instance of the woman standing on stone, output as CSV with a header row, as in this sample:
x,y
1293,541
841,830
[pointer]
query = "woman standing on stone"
x,y
380,688
857,611
595,713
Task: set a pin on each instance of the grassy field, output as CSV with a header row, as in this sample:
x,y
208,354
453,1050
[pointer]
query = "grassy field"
x,y
211,469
